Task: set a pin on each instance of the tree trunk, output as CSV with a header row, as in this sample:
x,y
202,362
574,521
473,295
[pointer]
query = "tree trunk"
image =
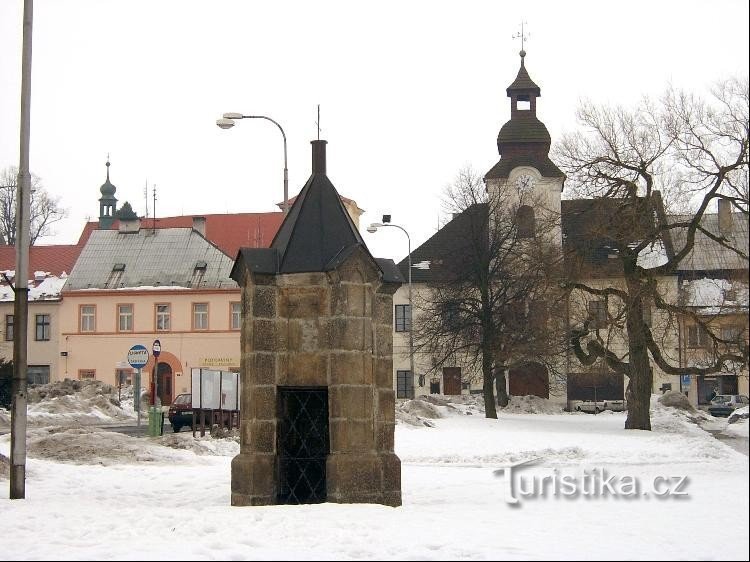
x,y
501,392
641,376
489,395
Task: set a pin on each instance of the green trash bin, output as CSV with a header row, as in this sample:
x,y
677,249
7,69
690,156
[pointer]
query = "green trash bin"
x,y
155,421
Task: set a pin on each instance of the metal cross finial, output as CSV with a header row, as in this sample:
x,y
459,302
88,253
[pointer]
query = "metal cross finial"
x,y
522,36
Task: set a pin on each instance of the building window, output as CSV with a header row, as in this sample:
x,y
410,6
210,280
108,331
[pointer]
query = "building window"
x,y
403,318
697,336
163,316
404,384
200,316
86,374
526,222
124,317
731,333
124,376
38,374
598,314
42,327
9,323
236,315
88,318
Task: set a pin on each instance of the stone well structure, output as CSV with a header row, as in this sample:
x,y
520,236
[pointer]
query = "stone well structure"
x,y
317,391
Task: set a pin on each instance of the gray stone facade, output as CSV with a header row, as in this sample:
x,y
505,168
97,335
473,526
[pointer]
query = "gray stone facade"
x,y
333,330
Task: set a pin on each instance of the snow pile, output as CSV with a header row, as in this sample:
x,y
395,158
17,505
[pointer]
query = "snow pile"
x,y
94,446
739,414
209,445
77,402
671,419
676,399
4,467
531,405
422,409
740,429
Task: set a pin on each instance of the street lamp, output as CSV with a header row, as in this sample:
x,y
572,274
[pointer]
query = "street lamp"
x,y
227,122
374,228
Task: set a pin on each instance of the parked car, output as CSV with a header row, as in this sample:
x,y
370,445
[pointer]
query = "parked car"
x,y
723,405
180,412
594,407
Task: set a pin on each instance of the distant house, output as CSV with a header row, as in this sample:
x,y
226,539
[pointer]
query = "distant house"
x,y
713,283
135,285
48,270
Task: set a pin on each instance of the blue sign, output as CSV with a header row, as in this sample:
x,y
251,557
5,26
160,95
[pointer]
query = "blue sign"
x,y
138,356
685,380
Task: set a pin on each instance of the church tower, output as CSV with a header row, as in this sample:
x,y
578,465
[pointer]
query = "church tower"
x,y
524,143
107,203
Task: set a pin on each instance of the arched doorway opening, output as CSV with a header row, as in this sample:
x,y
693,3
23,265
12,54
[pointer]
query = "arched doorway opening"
x,y
164,383
529,379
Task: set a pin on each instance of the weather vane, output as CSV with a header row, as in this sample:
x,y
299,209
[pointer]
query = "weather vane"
x,y
522,36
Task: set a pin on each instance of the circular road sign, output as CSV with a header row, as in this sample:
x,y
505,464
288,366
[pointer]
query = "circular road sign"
x,y
156,348
138,356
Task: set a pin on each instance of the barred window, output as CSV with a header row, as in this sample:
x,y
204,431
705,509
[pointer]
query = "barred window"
x,y
598,314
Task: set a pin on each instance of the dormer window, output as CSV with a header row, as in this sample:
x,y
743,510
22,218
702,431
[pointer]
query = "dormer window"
x,y
199,271
115,276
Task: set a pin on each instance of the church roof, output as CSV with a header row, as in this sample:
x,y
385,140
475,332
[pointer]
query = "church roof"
x,y
523,81
107,189
524,128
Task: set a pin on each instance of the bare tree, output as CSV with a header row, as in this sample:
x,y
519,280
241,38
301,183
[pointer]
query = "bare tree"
x,y
45,209
692,151
491,304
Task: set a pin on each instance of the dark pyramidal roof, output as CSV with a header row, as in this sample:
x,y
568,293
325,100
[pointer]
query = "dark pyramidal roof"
x,y
523,81
317,234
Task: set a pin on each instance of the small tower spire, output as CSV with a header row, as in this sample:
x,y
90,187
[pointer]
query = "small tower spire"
x,y
107,202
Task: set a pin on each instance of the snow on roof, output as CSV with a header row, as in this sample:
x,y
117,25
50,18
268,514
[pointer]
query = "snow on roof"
x,y
715,296
653,255
40,289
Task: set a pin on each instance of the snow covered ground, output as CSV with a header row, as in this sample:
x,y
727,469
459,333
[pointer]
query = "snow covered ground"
x,y
98,495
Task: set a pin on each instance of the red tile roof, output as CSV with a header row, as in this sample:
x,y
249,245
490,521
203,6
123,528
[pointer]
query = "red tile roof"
x,y
53,259
228,232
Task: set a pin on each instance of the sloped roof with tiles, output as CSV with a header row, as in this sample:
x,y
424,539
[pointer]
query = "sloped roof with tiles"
x,y
166,258
229,232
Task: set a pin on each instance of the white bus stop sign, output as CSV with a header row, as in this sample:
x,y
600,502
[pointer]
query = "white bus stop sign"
x,y
138,356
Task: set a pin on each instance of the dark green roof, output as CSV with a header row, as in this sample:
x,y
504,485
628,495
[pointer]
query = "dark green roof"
x,y
523,83
546,167
523,127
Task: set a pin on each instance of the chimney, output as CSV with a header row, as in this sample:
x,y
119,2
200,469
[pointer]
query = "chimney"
x,y
129,225
725,217
199,225
319,156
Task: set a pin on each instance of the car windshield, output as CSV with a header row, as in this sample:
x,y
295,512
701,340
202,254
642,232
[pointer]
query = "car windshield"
x,y
182,399
722,398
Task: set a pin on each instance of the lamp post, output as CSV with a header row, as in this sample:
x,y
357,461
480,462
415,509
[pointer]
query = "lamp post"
x,y
227,122
374,228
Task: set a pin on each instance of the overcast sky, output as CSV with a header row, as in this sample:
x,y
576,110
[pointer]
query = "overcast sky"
x,y
409,93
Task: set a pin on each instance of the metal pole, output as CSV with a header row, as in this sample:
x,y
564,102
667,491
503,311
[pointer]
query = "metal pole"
x,y
137,396
285,203
21,301
411,304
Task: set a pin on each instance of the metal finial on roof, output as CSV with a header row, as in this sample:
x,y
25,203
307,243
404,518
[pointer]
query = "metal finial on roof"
x,y
317,123
522,36
107,166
